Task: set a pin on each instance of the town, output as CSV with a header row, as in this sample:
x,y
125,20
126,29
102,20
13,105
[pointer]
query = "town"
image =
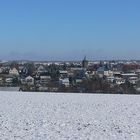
x,y
119,77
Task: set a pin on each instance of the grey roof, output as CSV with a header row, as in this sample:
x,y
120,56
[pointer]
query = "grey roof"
x,y
101,69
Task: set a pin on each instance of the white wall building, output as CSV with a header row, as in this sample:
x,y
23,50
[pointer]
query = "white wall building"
x,y
65,82
29,80
14,71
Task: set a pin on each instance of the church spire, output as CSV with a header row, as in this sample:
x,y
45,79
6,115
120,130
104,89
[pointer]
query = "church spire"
x,y
85,63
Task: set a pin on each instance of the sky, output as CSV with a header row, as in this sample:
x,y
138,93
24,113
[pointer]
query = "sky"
x,y
69,29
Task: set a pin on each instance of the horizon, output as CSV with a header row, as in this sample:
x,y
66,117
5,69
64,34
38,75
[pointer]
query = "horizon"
x,y
89,60
67,31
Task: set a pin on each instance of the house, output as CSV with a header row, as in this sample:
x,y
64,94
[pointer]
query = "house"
x,y
45,79
41,69
14,71
133,80
110,79
23,81
64,82
63,73
5,69
29,80
9,80
138,72
90,74
119,80
131,77
128,75
104,71
117,74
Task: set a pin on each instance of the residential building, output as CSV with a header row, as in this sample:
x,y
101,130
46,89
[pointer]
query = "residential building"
x,y
14,71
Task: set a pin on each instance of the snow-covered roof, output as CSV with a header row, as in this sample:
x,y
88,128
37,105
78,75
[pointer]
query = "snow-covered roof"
x,y
129,74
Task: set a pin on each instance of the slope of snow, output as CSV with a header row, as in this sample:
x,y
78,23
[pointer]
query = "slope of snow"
x,y
51,116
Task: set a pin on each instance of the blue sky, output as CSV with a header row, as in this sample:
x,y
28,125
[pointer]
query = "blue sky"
x,y
69,29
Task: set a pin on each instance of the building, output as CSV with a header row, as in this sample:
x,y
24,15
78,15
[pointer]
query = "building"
x,y
63,73
104,71
119,80
85,63
45,79
29,80
14,71
65,82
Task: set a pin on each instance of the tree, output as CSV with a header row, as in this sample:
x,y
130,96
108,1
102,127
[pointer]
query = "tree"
x,y
31,68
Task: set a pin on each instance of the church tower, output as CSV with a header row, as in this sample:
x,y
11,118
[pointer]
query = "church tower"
x,y
85,63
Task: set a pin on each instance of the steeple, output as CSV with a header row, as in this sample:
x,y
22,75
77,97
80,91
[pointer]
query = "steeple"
x,y
85,63
85,58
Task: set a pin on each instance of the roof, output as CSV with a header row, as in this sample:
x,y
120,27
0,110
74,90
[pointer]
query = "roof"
x,y
101,69
129,74
29,77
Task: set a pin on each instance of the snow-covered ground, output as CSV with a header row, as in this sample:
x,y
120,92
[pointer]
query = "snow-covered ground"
x,y
51,116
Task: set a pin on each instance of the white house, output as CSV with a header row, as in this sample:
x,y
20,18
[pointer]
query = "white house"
x,y
41,69
14,71
129,75
63,73
65,82
23,81
119,80
133,80
29,80
103,71
45,79
90,74
9,80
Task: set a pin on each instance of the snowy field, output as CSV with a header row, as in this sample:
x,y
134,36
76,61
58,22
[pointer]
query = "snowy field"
x,y
50,116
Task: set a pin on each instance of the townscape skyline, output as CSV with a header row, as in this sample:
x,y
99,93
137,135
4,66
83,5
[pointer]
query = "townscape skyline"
x,y
69,30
